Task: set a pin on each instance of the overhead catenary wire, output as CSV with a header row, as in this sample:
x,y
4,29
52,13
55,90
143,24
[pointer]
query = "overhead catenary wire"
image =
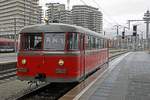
x,y
106,14
83,2
100,8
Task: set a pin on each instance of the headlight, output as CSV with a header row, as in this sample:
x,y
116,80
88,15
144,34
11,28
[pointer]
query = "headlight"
x,y
61,62
23,61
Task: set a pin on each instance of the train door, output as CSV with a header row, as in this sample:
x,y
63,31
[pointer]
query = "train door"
x,y
82,49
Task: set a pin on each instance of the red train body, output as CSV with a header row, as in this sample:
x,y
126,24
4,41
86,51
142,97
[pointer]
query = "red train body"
x,y
6,45
59,53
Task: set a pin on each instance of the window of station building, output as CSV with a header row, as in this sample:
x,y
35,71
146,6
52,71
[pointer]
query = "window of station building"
x,y
73,41
31,41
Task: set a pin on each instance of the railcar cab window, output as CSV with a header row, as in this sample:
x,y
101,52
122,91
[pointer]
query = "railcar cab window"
x,y
73,40
31,41
54,41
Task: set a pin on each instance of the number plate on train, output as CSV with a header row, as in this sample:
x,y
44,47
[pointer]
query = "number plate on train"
x,y
60,71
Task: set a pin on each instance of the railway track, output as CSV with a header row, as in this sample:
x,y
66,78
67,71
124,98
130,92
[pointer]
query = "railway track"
x,y
7,73
116,55
7,66
51,91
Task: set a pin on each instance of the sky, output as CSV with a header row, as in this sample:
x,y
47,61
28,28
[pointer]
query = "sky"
x,y
114,11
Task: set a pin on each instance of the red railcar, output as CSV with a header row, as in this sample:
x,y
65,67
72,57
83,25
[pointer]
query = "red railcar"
x,y
7,45
59,53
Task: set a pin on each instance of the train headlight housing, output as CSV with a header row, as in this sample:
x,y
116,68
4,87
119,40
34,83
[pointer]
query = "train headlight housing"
x,y
61,62
24,61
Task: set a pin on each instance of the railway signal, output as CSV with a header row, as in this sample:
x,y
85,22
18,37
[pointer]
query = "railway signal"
x,y
123,35
134,30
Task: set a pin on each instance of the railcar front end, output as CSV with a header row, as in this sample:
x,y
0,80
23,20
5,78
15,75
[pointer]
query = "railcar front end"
x,y
49,57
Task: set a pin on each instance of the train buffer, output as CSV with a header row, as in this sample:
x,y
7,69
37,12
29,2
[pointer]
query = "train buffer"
x,y
127,78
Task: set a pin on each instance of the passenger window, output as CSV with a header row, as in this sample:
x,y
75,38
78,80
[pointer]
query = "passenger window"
x,y
86,42
99,43
93,42
102,43
73,41
105,43
89,42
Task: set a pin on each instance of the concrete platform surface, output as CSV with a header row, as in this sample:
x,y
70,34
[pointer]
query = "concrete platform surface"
x,y
129,80
8,57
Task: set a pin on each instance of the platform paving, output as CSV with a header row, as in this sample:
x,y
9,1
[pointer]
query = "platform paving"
x,y
129,80
8,57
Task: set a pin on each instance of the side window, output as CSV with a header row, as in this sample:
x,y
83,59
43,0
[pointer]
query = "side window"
x,y
102,43
73,41
105,43
93,42
89,42
86,42
98,41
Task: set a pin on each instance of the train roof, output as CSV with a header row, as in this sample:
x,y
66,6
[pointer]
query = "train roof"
x,y
58,27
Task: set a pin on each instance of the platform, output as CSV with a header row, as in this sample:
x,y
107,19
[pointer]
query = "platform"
x,y
8,58
127,78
